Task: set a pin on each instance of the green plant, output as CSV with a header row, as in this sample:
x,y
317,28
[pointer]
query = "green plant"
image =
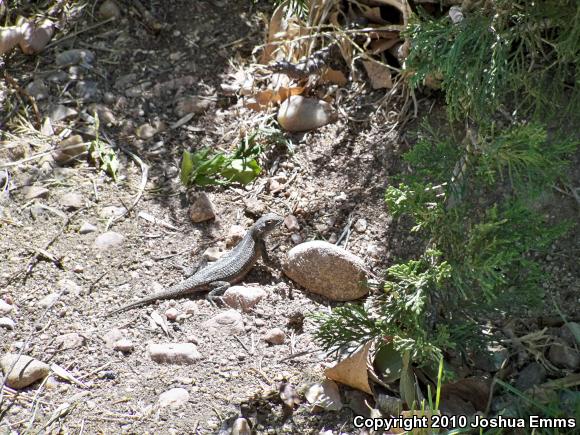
x,y
208,167
478,261
518,55
103,154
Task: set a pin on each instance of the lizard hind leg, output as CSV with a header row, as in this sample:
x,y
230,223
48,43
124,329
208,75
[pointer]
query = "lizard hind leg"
x,y
217,289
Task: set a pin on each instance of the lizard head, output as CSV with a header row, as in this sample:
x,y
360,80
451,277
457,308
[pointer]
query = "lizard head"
x,y
266,224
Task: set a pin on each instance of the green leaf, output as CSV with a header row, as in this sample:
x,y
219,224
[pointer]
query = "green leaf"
x,y
186,168
242,171
389,363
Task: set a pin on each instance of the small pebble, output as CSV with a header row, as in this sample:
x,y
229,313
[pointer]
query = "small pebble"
x,y
124,345
87,228
7,322
291,223
5,307
275,336
171,314
360,225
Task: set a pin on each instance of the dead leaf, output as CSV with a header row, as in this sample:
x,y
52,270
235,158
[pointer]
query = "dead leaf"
x,y
353,371
275,27
66,375
374,15
379,75
271,96
36,37
160,321
10,37
324,395
252,104
379,45
333,76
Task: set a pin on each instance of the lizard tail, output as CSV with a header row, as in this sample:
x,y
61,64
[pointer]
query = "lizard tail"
x,y
172,292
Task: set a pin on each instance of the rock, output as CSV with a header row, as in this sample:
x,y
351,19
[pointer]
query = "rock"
x,y
296,238
75,56
32,192
174,353
124,345
235,234
175,398
69,149
192,104
111,211
69,341
87,228
275,336
201,209
68,286
213,253
145,131
112,337
255,207
108,240
226,322
109,9
299,113
327,270
48,300
5,307
25,372
60,112
86,90
564,356
37,89
190,307
325,395
171,314
106,116
531,375
360,226
72,200
241,427
243,297
7,322
292,223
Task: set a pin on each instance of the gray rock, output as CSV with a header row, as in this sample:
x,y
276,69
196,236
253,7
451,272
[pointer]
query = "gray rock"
x,y
174,398
37,89
25,372
68,286
7,322
60,112
275,336
242,297
296,238
570,333
241,427
69,341
492,359
5,307
58,77
213,253
108,240
193,104
109,9
48,300
123,81
106,115
201,209
124,345
145,131
171,314
360,225
87,228
87,90
111,211
226,322
564,356
112,337
255,207
75,56
531,375
174,353
72,200
327,270
32,192
292,223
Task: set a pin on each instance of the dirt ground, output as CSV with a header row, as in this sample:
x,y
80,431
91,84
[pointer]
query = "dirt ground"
x,y
119,392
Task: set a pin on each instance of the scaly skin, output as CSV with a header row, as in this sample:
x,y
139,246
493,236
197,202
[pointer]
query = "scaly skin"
x,y
229,269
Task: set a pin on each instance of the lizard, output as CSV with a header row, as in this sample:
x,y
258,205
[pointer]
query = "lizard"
x,y
219,275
